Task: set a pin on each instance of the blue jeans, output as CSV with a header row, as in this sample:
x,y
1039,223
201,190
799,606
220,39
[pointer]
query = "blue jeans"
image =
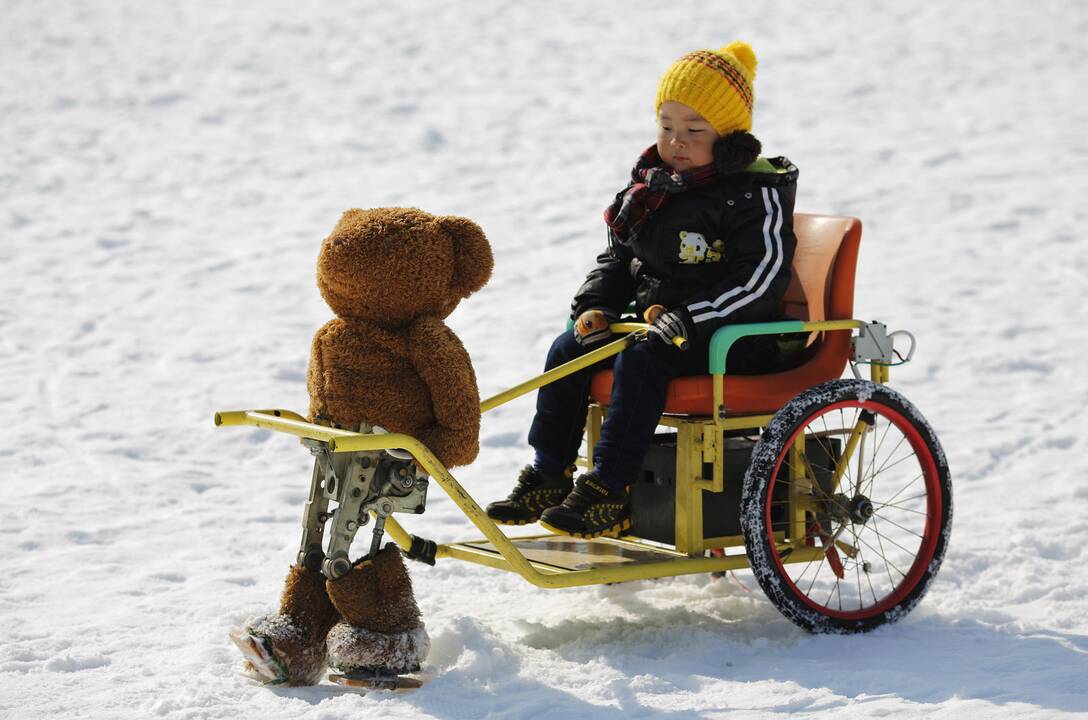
x,y
641,374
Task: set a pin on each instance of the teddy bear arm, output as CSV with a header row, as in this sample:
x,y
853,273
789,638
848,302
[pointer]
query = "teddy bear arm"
x,y
442,362
315,372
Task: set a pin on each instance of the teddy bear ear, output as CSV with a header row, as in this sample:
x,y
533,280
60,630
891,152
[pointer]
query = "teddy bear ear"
x,y
472,253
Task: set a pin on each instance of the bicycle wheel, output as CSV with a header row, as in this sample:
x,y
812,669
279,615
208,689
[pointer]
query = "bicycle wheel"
x,y
847,507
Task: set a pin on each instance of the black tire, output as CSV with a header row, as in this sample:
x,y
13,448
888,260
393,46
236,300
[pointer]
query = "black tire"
x,y
874,541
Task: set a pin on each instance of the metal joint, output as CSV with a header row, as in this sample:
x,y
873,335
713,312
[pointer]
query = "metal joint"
x,y
360,483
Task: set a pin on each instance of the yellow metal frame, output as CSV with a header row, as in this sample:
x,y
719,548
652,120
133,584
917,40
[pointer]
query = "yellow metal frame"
x,y
506,555
699,440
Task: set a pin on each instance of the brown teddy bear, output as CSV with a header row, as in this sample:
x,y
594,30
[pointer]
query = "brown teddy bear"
x,y
391,275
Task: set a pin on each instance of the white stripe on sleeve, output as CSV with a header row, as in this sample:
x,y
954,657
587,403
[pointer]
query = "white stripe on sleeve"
x,y
773,255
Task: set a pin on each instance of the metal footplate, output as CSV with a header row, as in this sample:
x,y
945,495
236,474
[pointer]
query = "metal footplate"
x,y
375,680
361,484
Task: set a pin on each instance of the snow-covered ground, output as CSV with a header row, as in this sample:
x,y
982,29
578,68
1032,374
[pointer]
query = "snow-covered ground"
x,y
167,171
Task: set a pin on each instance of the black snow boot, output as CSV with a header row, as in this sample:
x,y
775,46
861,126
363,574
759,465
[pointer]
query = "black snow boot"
x,y
592,509
534,493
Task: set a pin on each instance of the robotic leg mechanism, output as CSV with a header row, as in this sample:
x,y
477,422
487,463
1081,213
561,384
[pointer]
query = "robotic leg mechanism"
x,y
361,619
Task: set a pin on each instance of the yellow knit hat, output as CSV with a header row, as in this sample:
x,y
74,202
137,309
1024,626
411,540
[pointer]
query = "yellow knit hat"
x,y
717,84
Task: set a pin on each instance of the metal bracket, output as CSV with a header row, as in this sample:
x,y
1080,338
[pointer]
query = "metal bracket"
x,y
315,513
362,483
351,492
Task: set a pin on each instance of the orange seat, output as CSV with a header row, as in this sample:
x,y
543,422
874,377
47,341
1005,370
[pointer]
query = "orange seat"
x,y
822,288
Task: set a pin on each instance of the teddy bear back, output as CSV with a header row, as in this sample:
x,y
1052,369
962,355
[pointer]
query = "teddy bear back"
x,y
390,265
359,372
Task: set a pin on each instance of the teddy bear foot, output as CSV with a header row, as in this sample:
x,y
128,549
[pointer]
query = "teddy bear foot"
x,y
356,651
260,661
278,651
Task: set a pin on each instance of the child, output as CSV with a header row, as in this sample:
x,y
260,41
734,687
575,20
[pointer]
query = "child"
x,y
703,235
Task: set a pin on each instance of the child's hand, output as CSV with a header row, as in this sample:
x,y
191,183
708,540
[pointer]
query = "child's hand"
x,y
651,313
672,328
592,325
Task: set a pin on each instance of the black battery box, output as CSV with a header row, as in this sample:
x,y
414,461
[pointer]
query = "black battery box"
x,y
653,495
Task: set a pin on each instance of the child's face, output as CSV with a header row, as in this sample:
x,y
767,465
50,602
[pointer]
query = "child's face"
x,y
684,139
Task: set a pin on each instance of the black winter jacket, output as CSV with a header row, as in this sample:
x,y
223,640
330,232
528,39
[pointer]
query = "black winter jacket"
x,y
722,251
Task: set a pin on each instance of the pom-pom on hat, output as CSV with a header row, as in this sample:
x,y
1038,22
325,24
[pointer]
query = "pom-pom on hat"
x,y
717,84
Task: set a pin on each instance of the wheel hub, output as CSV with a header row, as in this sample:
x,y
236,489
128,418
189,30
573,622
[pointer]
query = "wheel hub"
x,y
856,510
860,509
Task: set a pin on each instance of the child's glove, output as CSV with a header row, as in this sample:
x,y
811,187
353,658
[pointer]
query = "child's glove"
x,y
668,326
650,314
592,325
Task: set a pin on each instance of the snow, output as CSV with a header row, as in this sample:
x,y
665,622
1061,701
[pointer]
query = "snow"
x,y
168,170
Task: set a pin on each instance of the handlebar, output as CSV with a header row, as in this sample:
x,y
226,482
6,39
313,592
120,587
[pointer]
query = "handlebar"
x,y
643,328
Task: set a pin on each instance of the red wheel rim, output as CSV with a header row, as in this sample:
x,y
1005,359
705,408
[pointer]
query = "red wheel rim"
x,y
929,536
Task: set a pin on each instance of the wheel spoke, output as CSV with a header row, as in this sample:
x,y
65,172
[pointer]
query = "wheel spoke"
x,y
872,480
876,450
900,508
810,475
842,465
886,466
910,482
883,556
872,590
857,566
868,575
906,530
808,566
861,465
881,537
880,444
832,594
887,563
891,455
819,566
847,477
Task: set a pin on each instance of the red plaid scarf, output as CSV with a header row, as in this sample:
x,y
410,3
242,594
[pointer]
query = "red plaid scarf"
x,y
652,181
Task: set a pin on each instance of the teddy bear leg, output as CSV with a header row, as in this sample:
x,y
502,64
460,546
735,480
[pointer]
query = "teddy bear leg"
x,y
381,629
289,648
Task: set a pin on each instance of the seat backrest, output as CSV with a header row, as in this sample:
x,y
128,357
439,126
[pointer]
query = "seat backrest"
x,y
824,263
822,288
